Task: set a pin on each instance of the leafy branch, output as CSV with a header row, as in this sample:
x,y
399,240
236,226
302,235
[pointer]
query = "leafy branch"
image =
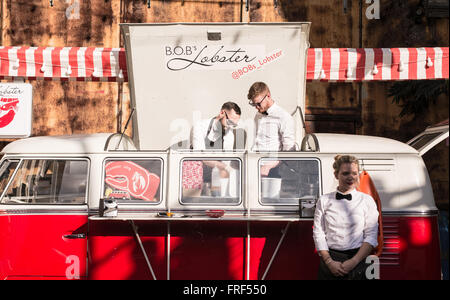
x,y
414,97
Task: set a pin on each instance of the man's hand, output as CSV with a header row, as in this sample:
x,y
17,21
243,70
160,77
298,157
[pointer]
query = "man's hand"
x,y
267,166
349,265
336,268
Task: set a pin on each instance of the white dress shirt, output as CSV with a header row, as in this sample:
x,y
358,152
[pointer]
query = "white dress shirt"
x,y
274,131
201,136
343,224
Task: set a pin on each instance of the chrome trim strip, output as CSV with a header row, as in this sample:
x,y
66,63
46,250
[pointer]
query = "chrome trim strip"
x,y
44,211
411,213
76,209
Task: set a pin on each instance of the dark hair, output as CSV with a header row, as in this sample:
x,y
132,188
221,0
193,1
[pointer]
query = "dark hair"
x,y
232,106
256,89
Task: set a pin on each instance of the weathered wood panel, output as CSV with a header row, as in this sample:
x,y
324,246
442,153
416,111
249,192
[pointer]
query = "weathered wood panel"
x,y
67,107
181,11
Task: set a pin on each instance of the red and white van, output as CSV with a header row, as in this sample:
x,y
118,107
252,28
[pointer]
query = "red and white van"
x,y
57,213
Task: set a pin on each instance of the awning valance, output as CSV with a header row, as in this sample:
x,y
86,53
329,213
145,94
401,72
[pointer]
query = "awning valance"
x,y
323,64
63,63
369,64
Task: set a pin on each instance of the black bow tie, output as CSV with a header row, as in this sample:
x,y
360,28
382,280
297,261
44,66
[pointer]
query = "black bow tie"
x,y
340,196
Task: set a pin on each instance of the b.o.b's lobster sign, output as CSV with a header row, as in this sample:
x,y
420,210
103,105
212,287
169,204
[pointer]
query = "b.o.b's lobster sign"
x,y
16,101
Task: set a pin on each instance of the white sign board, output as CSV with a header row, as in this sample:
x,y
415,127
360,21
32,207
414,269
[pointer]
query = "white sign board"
x,y
182,73
16,106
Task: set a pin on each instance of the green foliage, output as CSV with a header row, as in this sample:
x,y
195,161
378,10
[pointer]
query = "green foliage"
x,y
415,96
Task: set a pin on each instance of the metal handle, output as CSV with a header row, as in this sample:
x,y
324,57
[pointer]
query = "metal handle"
x,y
75,236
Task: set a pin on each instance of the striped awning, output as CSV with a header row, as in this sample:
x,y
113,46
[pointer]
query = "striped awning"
x,y
63,63
323,64
369,64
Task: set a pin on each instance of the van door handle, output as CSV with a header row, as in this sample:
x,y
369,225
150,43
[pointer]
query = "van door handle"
x,y
75,236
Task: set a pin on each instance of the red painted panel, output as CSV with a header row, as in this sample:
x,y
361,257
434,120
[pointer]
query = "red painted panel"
x,y
208,250
296,258
411,249
114,252
217,250
33,245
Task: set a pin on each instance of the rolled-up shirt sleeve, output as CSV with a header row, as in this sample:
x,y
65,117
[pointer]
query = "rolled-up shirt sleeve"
x,y
371,224
319,235
288,134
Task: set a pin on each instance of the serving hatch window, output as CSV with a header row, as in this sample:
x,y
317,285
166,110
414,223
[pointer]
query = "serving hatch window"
x,y
136,181
286,181
48,181
211,181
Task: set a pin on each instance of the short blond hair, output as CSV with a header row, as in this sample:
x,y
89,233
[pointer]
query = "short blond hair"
x,y
342,159
256,89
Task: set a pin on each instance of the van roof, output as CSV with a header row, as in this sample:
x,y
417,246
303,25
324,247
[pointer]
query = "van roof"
x,y
349,143
101,142
76,144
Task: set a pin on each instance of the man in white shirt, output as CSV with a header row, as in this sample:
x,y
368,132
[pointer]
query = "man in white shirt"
x,y
345,223
275,128
217,132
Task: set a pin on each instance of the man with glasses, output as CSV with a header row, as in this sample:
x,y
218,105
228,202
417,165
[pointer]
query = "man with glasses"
x,y
275,128
219,131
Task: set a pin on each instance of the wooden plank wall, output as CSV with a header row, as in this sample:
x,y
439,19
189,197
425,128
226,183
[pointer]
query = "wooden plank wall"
x,y
68,108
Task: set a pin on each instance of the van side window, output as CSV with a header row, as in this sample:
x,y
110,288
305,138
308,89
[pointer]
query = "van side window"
x,y
285,181
423,140
136,181
39,181
211,181
7,169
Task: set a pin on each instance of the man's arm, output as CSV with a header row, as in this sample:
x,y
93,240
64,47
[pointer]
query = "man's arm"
x,y
288,133
198,137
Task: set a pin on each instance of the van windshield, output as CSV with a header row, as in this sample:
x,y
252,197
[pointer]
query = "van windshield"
x,y
41,181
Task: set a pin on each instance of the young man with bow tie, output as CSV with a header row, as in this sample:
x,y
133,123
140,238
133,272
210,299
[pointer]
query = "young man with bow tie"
x,y
345,225
275,127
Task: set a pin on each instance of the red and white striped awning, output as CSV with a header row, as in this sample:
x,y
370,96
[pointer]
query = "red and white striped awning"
x,y
63,63
369,64
323,64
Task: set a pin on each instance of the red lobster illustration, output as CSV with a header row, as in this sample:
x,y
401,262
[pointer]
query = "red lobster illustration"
x,y
9,108
133,179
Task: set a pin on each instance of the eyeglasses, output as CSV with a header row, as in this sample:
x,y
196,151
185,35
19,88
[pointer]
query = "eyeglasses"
x,y
230,123
257,104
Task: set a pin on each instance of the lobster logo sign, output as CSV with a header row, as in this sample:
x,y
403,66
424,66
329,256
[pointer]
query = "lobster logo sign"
x,y
8,108
131,179
15,110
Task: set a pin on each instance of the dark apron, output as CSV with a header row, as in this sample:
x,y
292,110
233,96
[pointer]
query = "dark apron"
x,y
358,273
